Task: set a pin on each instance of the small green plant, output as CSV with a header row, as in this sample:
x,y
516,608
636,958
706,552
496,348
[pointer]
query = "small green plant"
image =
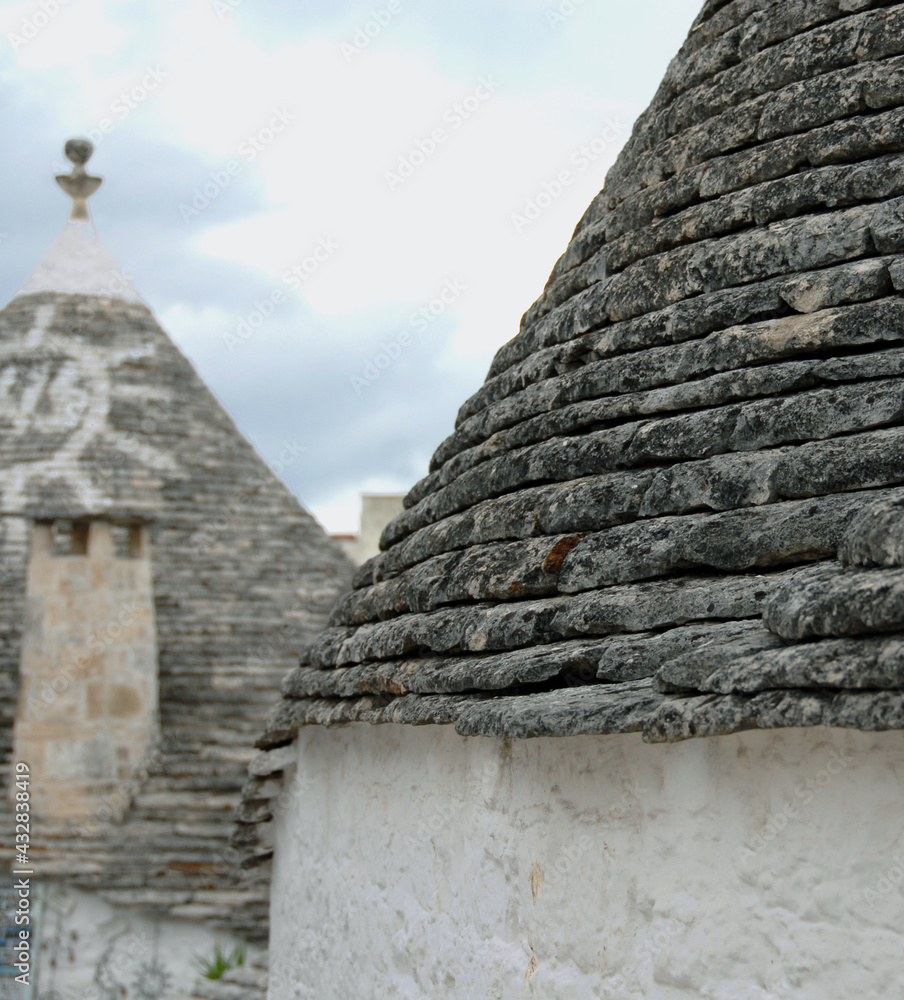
x,y
221,962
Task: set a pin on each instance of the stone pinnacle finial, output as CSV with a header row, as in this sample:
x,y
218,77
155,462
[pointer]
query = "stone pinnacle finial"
x,y
78,184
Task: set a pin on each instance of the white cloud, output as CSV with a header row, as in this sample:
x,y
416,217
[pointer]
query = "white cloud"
x,y
452,217
60,34
328,131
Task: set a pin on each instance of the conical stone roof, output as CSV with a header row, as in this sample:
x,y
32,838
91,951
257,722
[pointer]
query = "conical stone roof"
x,y
103,417
675,505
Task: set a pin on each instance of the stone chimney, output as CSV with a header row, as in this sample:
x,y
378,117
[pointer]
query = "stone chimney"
x,y
88,666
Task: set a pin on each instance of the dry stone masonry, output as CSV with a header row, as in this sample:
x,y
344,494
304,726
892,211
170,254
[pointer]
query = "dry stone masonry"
x,y
676,506
88,710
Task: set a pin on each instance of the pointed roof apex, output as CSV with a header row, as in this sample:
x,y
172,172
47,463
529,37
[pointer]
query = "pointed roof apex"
x,y
77,263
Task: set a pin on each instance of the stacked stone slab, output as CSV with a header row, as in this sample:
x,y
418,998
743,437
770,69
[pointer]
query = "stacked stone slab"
x,y
105,420
675,505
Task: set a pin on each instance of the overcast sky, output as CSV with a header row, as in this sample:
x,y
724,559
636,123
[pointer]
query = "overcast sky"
x,y
372,199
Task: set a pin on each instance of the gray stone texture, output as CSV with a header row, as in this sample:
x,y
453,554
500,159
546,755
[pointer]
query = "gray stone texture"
x,y
676,505
876,536
833,600
103,418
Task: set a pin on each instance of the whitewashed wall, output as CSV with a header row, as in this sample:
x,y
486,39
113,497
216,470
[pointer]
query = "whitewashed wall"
x,y
90,950
414,863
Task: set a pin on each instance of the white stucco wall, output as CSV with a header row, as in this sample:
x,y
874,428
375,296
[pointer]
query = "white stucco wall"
x,y
414,863
90,950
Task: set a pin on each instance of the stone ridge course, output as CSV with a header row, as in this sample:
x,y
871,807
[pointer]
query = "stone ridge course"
x,y
487,626
769,535
732,349
719,389
861,281
675,505
796,109
847,142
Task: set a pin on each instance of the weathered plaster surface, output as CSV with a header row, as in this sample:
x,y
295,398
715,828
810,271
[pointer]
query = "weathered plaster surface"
x,y
415,863
90,950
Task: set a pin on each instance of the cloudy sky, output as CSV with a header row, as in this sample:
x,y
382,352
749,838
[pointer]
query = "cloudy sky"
x,y
332,206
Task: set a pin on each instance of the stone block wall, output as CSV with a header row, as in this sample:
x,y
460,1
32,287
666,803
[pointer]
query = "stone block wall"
x,y
87,709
